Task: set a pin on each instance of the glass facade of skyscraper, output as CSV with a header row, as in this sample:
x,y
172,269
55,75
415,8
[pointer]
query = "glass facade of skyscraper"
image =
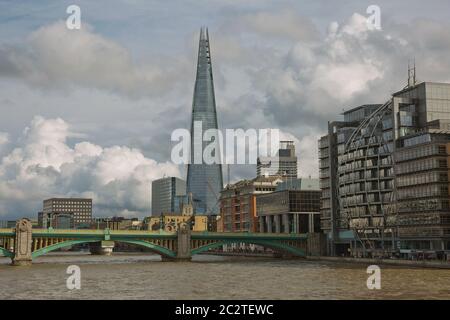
x,y
166,195
204,180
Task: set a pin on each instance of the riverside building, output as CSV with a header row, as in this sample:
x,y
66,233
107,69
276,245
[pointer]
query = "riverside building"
x,y
384,176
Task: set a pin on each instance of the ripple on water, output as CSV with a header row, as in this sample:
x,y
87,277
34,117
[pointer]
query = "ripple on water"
x,y
144,276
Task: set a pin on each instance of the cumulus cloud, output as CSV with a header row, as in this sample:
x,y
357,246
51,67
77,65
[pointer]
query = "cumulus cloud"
x,y
54,56
301,85
351,65
284,24
273,68
4,139
44,165
317,79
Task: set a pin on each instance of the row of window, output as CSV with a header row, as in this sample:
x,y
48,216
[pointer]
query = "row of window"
x,y
422,205
422,191
420,165
420,152
325,203
324,183
324,163
368,174
326,213
374,211
423,232
421,178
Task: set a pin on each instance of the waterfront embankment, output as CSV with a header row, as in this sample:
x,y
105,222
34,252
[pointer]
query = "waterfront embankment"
x,y
392,262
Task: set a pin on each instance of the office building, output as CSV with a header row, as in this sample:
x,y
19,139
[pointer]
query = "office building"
x,y
284,164
166,195
238,203
80,208
384,175
292,208
331,147
55,220
204,180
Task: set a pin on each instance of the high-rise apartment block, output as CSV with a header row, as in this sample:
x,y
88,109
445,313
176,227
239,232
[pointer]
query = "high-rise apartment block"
x,y
384,174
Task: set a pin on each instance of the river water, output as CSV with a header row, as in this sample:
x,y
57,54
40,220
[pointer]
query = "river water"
x,y
136,276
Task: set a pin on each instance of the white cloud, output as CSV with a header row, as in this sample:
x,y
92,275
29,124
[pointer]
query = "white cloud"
x,y
55,57
272,69
43,165
283,24
4,140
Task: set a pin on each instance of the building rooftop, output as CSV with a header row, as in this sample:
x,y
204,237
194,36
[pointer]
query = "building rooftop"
x,y
299,184
421,84
69,199
361,107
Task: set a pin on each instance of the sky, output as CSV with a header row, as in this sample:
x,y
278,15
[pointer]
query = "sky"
x,y
89,112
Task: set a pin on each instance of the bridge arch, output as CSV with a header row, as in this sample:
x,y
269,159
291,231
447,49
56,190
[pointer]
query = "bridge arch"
x,y
155,248
6,252
277,246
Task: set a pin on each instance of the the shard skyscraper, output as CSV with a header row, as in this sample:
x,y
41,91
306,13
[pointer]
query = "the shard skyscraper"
x,y
204,180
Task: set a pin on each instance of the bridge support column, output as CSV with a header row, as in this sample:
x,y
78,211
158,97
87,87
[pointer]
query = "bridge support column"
x,y
103,248
261,224
285,218
183,242
276,219
269,224
22,243
316,244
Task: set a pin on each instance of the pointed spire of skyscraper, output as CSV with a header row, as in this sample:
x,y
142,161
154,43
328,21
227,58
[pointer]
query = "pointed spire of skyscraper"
x,y
204,181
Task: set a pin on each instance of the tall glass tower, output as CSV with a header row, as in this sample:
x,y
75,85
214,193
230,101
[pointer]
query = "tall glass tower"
x,y
204,180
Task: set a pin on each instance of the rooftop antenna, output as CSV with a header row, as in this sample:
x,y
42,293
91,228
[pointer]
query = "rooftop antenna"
x,y
412,73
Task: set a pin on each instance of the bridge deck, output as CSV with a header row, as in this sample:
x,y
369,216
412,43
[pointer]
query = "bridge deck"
x,y
69,233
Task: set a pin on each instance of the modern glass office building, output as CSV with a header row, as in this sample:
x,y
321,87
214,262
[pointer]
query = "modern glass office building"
x,y
166,194
204,180
293,207
384,174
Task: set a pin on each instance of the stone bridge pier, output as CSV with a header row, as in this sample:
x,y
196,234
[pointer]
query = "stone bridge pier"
x,y
183,244
102,248
22,243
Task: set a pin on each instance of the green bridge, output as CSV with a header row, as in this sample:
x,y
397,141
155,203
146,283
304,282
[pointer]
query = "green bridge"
x,y
23,244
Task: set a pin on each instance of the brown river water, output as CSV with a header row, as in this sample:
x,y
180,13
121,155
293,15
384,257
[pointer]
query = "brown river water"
x,y
144,276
